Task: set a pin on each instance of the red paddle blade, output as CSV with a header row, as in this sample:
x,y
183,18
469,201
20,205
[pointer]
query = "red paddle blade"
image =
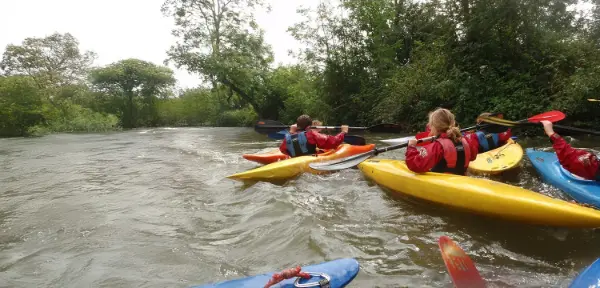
x,y
459,265
552,116
422,135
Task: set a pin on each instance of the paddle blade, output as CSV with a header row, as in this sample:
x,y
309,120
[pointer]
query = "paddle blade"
x,y
279,135
269,126
460,267
385,128
593,100
355,140
343,163
552,116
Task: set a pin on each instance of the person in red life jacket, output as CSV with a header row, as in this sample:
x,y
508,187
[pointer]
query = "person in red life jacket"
x,y
577,161
302,140
449,153
487,140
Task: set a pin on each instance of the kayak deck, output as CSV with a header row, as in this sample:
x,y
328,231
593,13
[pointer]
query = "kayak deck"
x,y
481,196
292,167
551,172
498,160
340,273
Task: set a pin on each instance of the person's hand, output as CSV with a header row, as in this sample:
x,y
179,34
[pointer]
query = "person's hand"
x,y
547,127
412,142
345,128
293,128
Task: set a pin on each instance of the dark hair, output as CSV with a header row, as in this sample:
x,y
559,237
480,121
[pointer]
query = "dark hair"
x,y
303,121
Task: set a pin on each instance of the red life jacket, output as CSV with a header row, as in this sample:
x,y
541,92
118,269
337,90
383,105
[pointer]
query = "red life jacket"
x,y
456,157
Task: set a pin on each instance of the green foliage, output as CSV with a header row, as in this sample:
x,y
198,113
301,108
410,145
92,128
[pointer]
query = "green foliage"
x,y
138,83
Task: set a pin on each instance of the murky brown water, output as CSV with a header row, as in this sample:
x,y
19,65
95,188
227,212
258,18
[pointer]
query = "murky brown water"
x,y
151,208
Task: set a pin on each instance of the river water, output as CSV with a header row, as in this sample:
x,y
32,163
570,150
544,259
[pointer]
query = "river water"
x,y
152,208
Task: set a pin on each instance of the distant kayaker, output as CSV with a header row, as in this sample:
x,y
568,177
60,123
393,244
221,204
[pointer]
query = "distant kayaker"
x,y
577,161
450,153
487,140
307,140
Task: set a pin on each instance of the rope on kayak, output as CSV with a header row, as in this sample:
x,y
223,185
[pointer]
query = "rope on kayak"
x,y
324,283
505,146
287,274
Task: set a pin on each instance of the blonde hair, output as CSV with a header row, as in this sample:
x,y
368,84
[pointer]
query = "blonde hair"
x,y
442,120
317,123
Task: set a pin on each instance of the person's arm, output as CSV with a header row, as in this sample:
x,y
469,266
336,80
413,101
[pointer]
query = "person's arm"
x,y
424,158
504,136
324,141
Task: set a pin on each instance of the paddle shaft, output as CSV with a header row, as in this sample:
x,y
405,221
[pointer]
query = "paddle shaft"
x,y
402,145
577,129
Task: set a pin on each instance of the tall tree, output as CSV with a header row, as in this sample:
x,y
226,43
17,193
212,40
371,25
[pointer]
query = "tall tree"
x,y
220,40
54,60
132,79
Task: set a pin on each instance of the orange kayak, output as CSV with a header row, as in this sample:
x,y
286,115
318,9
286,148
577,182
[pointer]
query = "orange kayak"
x,y
266,158
272,156
292,167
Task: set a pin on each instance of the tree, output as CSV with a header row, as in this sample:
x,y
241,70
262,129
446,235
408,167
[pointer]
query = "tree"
x,y
220,40
133,79
54,60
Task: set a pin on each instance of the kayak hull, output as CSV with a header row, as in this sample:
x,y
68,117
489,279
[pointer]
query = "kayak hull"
x,y
495,161
480,196
266,158
589,277
293,167
340,271
551,172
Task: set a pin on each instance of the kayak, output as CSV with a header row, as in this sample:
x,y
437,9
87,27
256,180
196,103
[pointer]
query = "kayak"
x,y
480,196
580,189
292,167
266,158
338,273
589,277
505,157
271,156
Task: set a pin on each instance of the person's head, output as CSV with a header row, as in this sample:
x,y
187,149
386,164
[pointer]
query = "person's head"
x,y
442,121
488,114
317,123
303,122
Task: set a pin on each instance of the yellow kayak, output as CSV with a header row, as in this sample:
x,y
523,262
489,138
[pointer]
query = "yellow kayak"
x,y
495,161
292,167
481,196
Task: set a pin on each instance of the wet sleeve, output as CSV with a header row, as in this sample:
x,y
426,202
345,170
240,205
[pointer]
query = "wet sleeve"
x,y
283,148
504,136
576,161
473,144
325,141
421,159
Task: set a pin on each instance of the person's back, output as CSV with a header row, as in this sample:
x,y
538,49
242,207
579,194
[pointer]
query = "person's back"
x,y
450,153
577,161
303,140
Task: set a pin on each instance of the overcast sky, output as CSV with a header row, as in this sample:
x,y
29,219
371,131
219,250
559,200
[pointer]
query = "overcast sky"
x,y
119,29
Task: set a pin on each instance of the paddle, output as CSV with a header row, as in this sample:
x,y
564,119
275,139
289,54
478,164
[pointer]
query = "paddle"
x,y
555,126
354,160
460,267
552,116
593,100
270,126
350,139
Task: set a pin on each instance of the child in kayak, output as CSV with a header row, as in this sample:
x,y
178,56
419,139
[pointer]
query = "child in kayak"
x,y
486,139
307,140
450,153
577,161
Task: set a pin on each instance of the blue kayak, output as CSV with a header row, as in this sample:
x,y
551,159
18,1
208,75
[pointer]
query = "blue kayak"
x,y
589,277
582,190
337,273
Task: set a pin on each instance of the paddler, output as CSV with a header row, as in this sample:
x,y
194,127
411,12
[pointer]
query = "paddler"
x,y
306,141
450,153
487,140
577,161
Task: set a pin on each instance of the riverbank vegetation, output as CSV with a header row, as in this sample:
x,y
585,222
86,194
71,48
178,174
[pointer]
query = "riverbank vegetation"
x,y
364,62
